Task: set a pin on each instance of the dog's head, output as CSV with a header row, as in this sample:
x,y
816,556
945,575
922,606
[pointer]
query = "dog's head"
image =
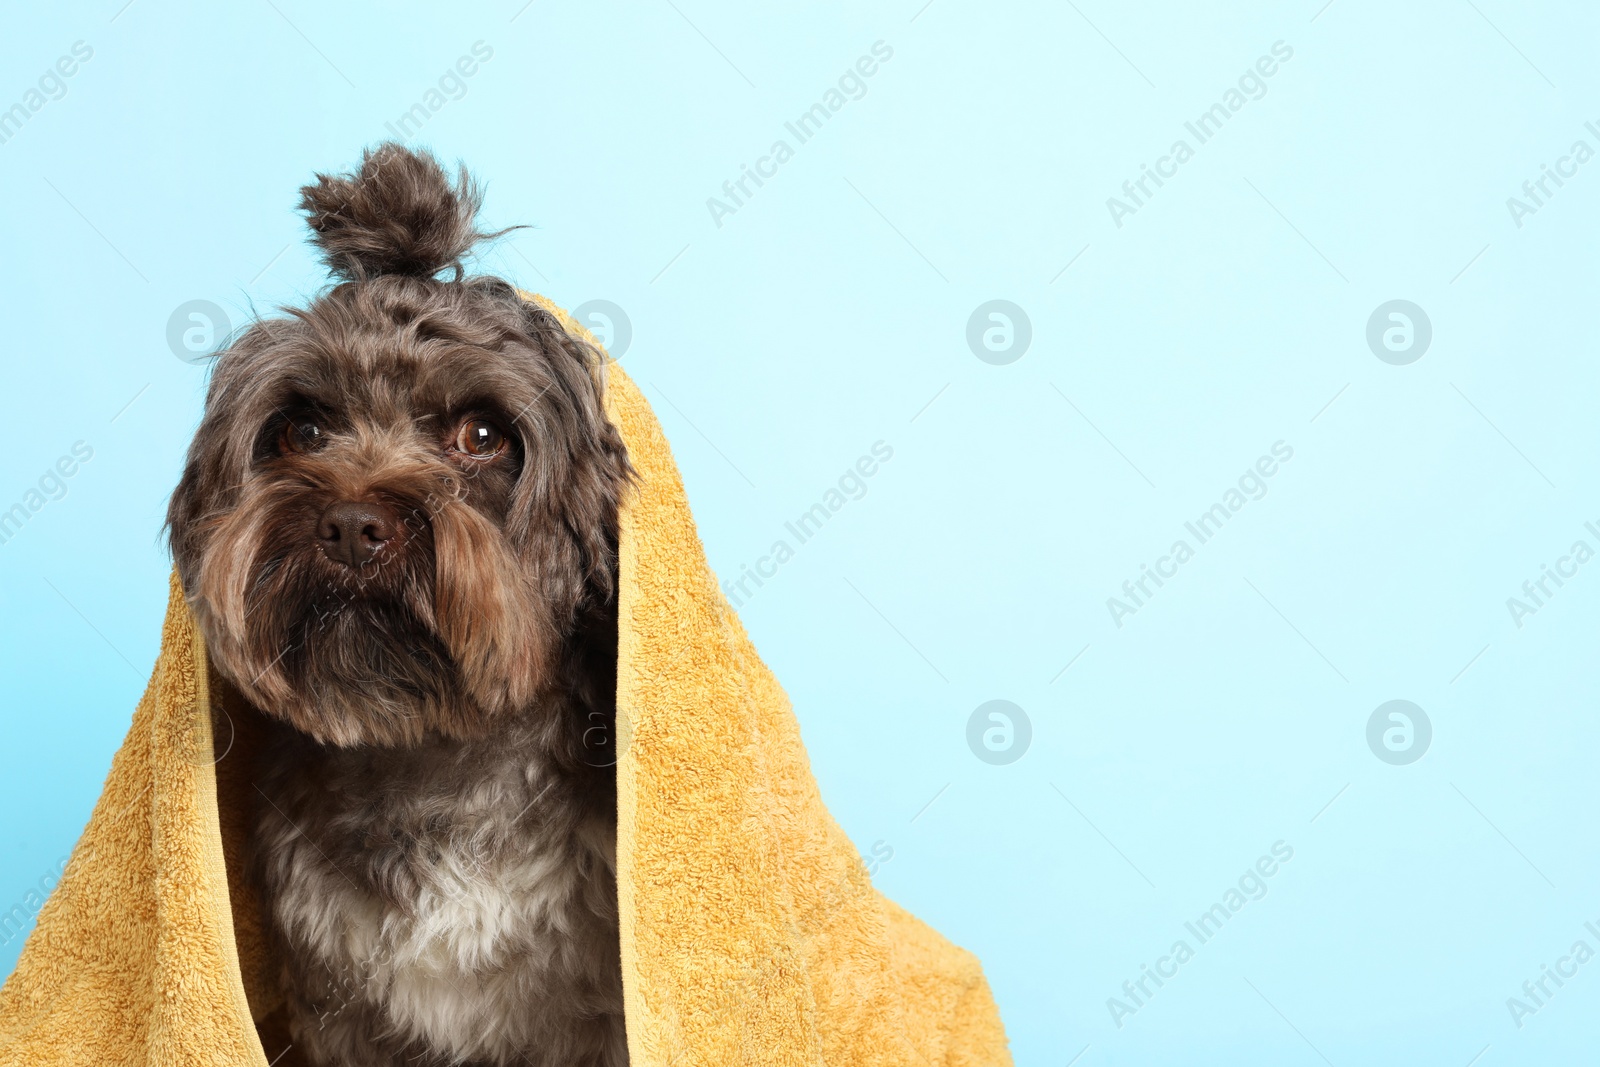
x,y
401,497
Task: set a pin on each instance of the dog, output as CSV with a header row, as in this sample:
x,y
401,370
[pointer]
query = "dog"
x,y
397,531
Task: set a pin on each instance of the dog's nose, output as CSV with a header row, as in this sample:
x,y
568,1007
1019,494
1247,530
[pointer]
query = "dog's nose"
x,y
352,533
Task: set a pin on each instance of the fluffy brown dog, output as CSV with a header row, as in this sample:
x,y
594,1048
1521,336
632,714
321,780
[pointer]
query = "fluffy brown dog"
x,y
397,530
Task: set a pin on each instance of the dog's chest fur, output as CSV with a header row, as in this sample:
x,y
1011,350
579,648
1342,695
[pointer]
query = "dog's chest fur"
x,y
454,903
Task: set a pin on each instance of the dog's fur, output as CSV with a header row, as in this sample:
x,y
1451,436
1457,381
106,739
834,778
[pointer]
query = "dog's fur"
x,y
435,846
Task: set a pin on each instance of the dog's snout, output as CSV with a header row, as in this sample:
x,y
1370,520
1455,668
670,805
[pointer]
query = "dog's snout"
x,y
353,533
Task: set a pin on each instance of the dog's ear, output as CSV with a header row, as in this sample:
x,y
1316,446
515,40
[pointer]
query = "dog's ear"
x,y
570,535
399,213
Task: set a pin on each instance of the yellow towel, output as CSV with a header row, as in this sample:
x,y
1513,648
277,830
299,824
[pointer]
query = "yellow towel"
x,y
750,931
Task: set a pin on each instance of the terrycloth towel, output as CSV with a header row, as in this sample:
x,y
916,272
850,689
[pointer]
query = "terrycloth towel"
x,y
750,931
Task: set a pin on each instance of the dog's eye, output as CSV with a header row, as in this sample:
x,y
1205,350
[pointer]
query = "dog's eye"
x,y
300,435
480,439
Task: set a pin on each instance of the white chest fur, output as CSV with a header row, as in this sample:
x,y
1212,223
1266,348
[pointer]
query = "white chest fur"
x,y
494,940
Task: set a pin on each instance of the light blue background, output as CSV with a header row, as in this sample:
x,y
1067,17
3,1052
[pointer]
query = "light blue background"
x,y
1227,314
